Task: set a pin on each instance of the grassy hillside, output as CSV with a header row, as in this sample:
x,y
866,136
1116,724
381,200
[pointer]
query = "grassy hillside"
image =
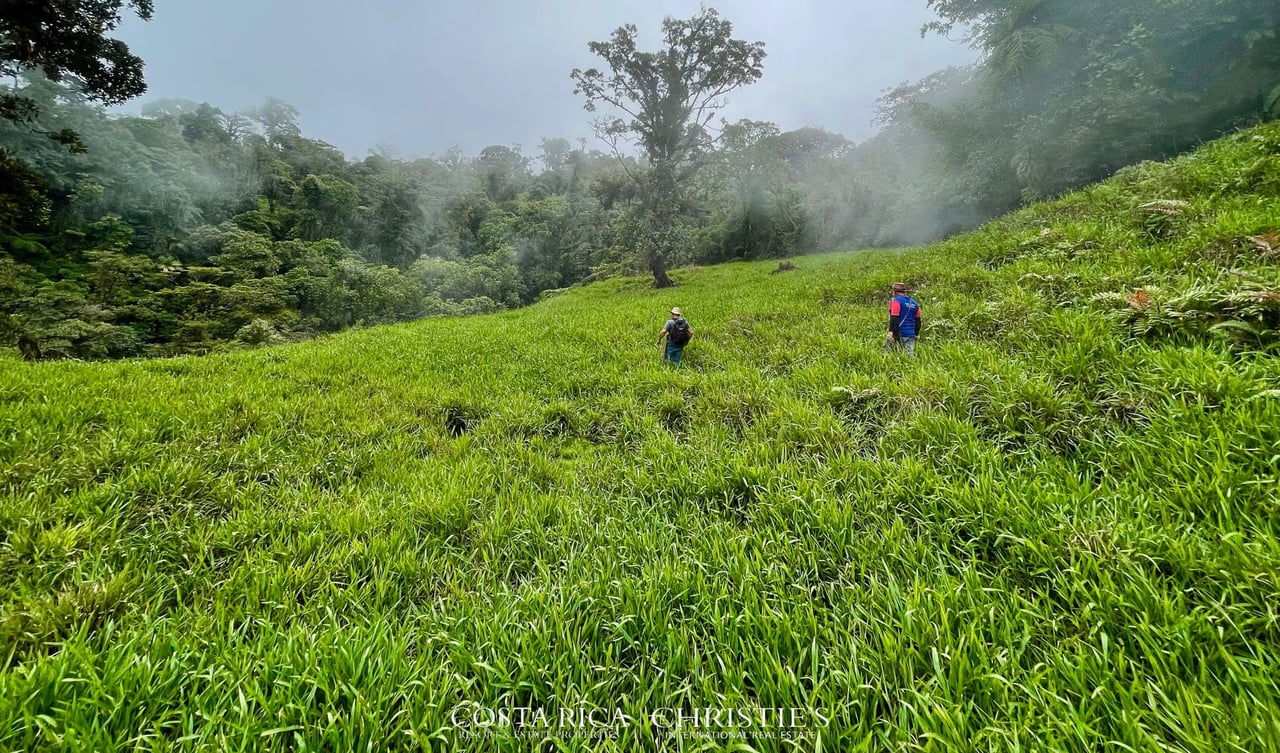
x,y
1054,530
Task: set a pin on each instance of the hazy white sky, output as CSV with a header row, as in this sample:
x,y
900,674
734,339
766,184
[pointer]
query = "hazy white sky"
x,y
423,76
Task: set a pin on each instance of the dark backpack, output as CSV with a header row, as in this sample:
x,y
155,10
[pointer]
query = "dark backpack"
x,y
680,333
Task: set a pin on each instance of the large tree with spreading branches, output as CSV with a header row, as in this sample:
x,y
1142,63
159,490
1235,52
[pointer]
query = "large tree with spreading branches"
x,y
69,39
664,103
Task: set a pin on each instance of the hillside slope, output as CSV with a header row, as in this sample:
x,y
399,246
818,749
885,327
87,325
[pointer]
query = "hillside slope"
x,y
1054,530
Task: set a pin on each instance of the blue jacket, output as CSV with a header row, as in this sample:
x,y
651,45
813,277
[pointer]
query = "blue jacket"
x,y
904,317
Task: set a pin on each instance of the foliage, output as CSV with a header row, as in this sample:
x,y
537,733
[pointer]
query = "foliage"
x,y
68,39
186,227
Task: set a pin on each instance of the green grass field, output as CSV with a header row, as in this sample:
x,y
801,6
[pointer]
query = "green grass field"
x,y
1056,529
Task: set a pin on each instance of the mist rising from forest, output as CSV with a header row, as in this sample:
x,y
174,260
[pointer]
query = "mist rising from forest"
x,y
968,142
1066,93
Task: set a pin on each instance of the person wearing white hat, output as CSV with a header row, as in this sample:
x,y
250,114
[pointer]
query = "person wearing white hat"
x,y
677,332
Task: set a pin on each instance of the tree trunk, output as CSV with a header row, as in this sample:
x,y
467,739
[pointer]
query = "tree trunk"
x,y
29,348
662,215
659,248
658,265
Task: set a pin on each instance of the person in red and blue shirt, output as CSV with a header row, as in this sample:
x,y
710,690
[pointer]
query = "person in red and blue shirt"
x,y
904,321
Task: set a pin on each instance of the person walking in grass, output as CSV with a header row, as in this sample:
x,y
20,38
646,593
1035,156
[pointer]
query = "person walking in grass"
x,y
904,321
677,332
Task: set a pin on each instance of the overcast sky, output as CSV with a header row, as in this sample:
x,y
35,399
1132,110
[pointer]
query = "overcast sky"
x,y
421,76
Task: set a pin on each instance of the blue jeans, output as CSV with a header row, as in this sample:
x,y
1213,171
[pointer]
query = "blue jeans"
x,y
673,354
907,344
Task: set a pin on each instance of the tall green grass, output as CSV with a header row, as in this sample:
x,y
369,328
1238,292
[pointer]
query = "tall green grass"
x,y
1054,530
